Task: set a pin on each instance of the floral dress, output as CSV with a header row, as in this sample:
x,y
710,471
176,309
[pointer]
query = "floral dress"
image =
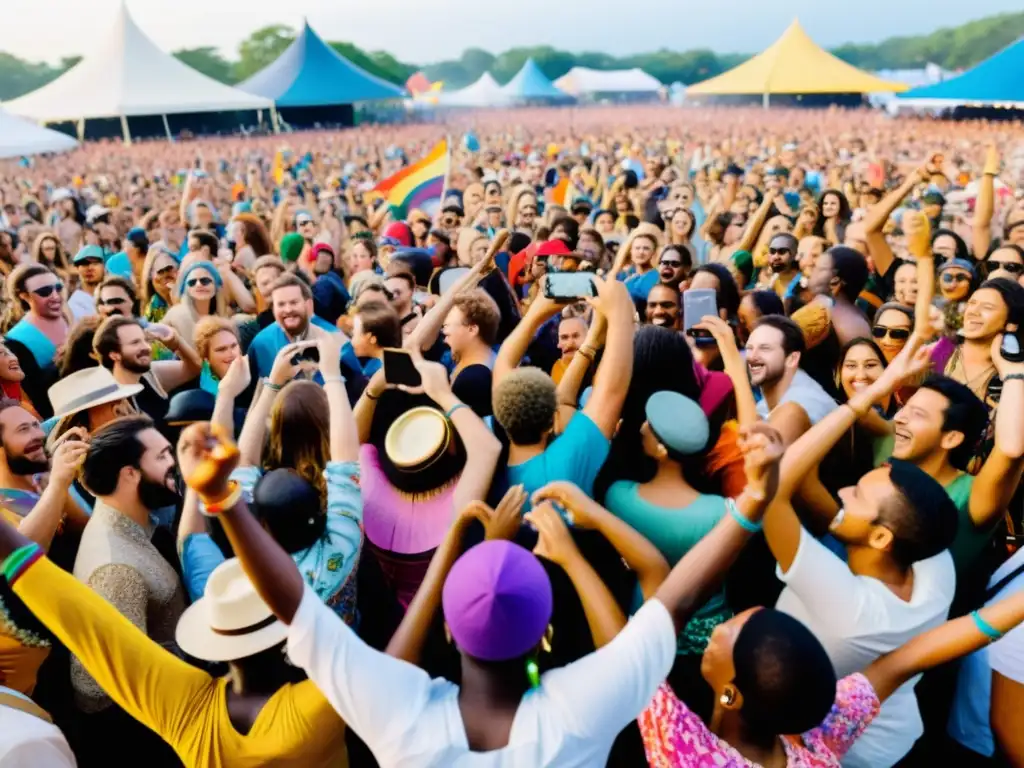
x,y
674,737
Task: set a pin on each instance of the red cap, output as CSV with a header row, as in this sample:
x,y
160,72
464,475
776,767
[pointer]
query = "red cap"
x,y
554,247
400,231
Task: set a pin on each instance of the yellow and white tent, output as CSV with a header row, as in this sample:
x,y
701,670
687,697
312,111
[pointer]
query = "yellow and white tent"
x,y
793,64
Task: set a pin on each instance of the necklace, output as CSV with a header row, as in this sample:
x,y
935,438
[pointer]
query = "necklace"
x,y
971,382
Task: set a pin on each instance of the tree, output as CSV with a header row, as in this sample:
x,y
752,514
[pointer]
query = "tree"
x,y
208,61
261,48
379,63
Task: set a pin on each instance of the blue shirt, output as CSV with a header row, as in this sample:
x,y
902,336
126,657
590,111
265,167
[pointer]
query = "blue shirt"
x,y
273,339
575,456
640,285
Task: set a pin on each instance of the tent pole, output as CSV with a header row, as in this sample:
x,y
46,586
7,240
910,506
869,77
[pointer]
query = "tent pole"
x,y
125,132
167,127
81,129
766,100
273,119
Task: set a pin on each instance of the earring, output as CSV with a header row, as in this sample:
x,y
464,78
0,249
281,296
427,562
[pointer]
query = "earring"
x,y
545,642
447,634
728,697
533,672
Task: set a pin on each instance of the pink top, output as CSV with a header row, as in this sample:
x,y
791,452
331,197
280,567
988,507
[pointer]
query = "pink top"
x,y
396,522
674,737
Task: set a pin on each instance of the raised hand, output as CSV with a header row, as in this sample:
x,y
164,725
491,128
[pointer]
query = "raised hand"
x,y
289,363
237,377
555,542
505,521
762,446
207,456
575,502
68,457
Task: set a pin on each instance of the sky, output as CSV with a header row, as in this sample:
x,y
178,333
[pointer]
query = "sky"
x,y
425,32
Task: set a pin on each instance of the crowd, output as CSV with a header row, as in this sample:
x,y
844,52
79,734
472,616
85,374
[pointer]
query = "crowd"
x,y
671,438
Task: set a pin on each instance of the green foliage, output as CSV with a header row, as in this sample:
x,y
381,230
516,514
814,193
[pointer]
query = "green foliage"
x,y
954,48
208,61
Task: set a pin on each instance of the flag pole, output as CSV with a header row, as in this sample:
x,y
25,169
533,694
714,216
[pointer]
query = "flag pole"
x,y
444,184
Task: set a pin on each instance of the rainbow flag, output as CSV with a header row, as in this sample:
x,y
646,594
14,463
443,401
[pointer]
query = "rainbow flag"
x,y
419,185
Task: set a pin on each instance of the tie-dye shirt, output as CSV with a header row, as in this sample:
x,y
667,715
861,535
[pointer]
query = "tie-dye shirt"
x,y
674,737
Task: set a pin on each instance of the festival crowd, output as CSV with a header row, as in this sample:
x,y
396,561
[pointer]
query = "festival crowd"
x,y
670,438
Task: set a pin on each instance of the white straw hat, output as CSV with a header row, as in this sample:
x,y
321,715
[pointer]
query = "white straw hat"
x,y
230,621
86,389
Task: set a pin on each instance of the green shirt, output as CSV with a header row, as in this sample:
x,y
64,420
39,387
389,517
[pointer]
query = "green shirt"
x,y
970,540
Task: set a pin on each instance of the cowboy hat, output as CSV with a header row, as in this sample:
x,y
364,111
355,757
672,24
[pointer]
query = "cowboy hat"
x,y
86,389
230,621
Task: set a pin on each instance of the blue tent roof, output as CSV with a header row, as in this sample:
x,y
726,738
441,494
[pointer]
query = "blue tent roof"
x,y
998,80
531,84
312,74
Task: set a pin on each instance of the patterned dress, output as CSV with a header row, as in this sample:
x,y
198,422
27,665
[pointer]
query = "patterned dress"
x,y
674,737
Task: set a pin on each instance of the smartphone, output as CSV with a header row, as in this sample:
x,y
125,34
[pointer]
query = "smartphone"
x,y
308,353
697,304
399,369
569,286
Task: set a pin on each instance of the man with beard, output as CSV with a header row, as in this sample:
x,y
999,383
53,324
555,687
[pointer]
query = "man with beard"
x,y
116,296
88,263
788,398
131,470
292,303
663,307
783,269
124,348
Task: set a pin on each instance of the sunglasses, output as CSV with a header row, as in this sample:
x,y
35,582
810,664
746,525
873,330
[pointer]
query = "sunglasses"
x,y
46,290
165,270
896,334
950,277
203,281
1010,266
674,263
110,302
777,251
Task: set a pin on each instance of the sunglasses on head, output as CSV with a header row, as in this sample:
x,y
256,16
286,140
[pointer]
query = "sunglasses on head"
x,y
896,334
46,290
955,277
203,281
1010,266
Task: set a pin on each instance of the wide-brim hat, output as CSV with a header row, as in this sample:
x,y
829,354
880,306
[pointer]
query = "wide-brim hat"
x,y
86,389
417,439
230,621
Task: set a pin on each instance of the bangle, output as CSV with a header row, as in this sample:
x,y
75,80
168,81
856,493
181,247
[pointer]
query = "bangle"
x,y
339,379
370,395
216,507
588,353
453,409
745,523
985,628
19,561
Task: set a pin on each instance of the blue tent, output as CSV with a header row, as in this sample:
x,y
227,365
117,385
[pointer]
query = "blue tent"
x,y
531,85
997,81
312,74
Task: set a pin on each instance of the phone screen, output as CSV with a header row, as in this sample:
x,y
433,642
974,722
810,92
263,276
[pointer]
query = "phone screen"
x,y
308,353
399,369
569,286
698,303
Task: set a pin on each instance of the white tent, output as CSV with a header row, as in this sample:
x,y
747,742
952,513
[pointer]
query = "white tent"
x,y
20,137
128,75
485,92
581,81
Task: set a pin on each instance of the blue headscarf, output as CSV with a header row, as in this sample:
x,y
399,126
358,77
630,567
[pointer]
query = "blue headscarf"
x,y
200,265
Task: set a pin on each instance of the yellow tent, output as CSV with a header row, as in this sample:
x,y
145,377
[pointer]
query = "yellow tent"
x,y
793,64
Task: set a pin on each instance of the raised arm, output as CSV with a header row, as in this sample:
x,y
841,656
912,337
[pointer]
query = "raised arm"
x,y
950,641
235,381
174,373
514,347
880,212
640,556
41,523
207,458
482,447
616,370
756,224
344,437
425,333
568,390
702,568
999,477
366,406
919,243
735,368
985,206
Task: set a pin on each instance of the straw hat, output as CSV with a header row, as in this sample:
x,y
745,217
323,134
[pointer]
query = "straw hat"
x,y
417,439
230,621
86,389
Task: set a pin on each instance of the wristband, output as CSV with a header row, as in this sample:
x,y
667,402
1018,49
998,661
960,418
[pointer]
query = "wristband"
x,y
216,507
334,379
746,524
19,561
1013,376
985,628
453,409
272,386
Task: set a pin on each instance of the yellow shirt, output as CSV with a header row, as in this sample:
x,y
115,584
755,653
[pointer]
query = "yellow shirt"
x,y
185,706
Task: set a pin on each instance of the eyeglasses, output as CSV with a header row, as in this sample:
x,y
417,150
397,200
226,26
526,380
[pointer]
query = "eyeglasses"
x,y
777,251
1010,266
46,290
896,334
203,281
955,277
674,263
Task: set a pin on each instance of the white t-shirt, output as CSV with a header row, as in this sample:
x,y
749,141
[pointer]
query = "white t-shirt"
x,y
808,394
409,720
969,721
27,740
81,304
857,619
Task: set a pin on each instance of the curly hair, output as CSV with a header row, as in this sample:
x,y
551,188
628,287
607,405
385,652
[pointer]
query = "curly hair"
x,y
525,403
206,329
479,309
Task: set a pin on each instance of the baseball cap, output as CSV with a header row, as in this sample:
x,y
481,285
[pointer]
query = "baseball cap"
x,y
63,193
497,601
554,247
88,252
96,212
